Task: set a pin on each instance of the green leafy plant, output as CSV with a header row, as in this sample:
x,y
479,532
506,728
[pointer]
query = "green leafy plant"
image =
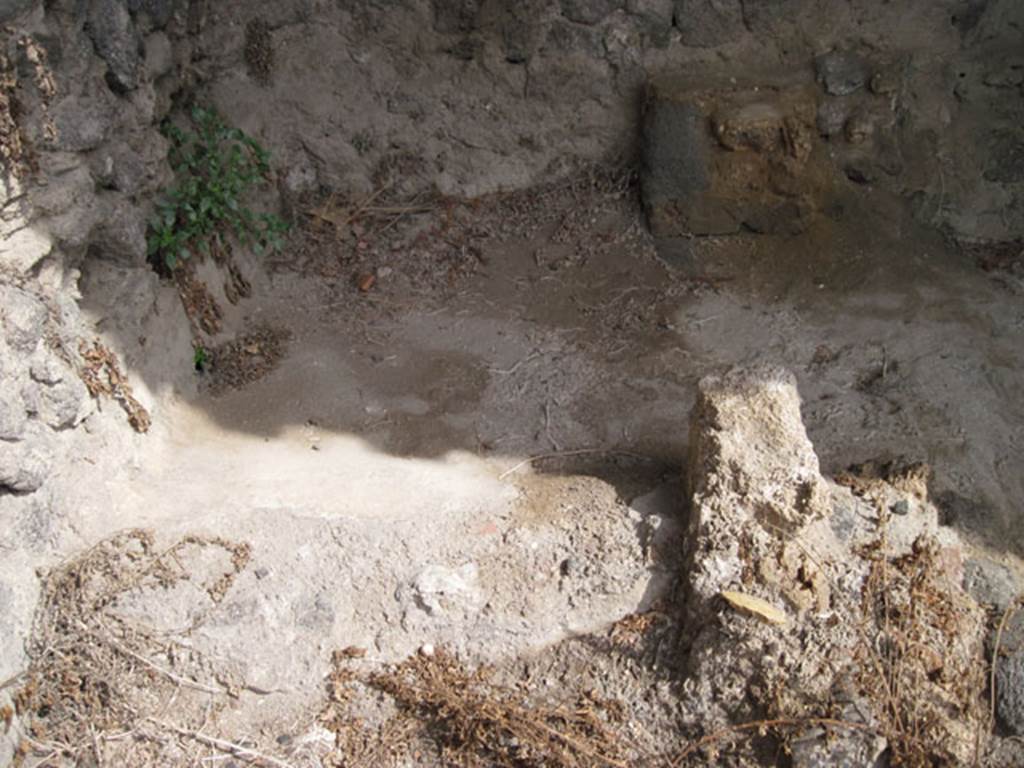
x,y
200,358
215,166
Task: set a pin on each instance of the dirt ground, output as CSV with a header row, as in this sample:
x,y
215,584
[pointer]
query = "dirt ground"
x,y
545,322
462,426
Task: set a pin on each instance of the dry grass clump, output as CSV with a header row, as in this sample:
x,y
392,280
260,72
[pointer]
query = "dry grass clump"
x,y
259,51
97,679
916,665
101,373
246,359
921,660
471,720
201,308
17,155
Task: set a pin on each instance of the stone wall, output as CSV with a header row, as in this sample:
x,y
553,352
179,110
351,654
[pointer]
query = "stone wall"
x,y
476,96
921,98
86,85
83,87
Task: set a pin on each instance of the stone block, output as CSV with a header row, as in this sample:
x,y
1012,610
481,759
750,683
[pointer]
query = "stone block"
x,y
113,33
718,161
747,437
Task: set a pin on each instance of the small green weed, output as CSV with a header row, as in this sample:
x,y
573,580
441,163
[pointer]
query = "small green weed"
x,y
214,166
200,358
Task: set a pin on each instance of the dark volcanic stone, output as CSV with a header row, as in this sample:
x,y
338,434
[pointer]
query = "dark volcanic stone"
x,y
841,72
709,23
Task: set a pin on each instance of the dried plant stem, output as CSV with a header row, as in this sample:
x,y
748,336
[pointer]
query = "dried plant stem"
x,y
780,722
166,673
229,747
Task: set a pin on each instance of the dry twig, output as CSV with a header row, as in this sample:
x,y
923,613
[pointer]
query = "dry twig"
x,y
476,723
761,725
228,747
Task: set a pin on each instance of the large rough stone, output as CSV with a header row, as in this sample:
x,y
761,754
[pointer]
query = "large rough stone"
x,y
676,161
159,55
520,32
1010,677
715,161
589,11
766,17
747,436
751,467
84,123
990,583
24,248
12,410
60,405
768,613
709,23
845,749
840,72
117,41
24,466
45,368
70,206
753,476
134,170
121,237
437,589
23,318
158,11
654,18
